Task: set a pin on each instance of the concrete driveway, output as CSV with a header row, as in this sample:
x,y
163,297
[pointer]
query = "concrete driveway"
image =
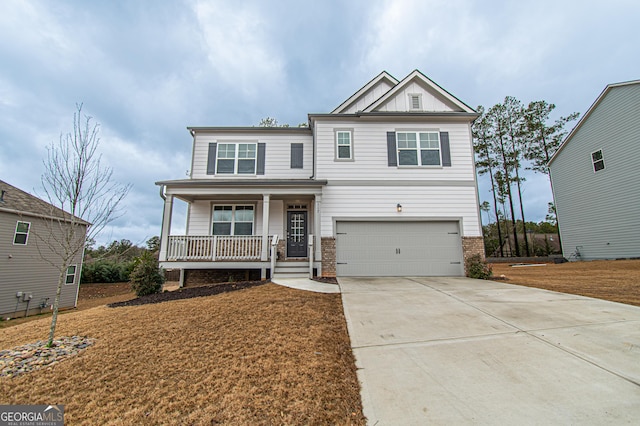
x,y
460,351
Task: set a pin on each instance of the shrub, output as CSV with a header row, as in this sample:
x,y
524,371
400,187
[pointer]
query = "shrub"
x,y
478,268
146,277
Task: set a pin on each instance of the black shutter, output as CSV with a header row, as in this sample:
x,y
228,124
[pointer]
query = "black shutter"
x,y
392,151
211,159
260,165
297,156
446,151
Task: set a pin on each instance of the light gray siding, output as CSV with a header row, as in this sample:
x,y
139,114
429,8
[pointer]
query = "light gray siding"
x,y
22,269
600,211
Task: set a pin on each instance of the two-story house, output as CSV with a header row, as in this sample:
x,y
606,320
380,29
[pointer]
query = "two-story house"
x,y
29,279
384,185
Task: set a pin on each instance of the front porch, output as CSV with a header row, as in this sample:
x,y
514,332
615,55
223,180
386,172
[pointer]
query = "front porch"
x,y
239,225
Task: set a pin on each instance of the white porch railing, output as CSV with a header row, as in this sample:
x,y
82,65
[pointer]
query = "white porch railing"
x,y
214,247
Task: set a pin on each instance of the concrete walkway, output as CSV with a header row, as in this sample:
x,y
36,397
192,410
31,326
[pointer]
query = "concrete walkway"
x,y
443,351
305,284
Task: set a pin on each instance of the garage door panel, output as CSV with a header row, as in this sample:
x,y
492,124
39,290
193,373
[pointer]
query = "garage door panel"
x,y
398,248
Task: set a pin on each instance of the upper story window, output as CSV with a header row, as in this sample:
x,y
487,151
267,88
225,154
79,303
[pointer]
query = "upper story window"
x,y
236,158
22,233
344,145
598,160
233,220
415,101
419,149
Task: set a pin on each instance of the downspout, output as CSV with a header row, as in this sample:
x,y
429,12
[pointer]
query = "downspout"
x,y
313,150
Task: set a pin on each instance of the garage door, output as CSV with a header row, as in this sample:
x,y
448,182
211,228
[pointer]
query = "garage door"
x,y
398,249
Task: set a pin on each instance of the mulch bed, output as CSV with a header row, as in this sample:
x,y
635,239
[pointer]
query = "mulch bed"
x,y
188,293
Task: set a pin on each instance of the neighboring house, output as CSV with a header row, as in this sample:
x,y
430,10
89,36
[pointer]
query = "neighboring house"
x,y
384,185
596,180
28,282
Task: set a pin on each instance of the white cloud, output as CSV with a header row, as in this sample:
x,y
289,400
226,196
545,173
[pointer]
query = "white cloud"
x,y
239,47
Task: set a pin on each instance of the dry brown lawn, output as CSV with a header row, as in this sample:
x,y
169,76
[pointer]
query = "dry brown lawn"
x,y
264,355
615,280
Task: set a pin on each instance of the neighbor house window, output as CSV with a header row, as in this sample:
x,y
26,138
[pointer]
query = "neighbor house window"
x,y
236,158
71,274
344,146
22,233
419,149
233,220
598,160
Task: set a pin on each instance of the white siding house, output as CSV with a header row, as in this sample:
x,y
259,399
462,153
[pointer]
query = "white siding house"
x,y
595,178
383,185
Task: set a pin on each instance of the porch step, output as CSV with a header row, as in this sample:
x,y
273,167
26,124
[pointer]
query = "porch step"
x,y
292,269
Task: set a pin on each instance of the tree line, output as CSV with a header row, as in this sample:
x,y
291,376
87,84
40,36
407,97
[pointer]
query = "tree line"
x,y
508,138
114,262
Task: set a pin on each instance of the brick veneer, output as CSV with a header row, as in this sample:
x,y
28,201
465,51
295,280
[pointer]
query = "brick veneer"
x,y
471,246
328,249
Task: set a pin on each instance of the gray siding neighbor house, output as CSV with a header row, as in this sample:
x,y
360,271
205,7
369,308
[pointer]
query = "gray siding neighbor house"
x,y
28,282
596,178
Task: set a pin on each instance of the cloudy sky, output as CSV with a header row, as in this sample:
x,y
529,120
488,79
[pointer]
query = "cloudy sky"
x,y
147,69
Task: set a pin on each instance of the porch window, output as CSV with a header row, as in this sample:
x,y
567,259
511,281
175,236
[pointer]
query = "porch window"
x,y
236,158
22,233
419,149
233,220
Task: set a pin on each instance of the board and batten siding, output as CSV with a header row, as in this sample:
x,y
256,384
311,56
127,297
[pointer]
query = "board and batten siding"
x,y
430,101
370,159
22,269
369,97
600,211
277,154
423,202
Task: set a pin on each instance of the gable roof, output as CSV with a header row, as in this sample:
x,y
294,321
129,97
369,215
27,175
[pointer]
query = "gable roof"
x,y
421,78
589,112
15,200
380,78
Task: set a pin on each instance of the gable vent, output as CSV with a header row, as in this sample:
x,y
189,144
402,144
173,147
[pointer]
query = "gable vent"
x,y
415,101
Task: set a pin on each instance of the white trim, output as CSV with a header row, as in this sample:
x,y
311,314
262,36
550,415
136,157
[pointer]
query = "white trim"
x,y
236,159
75,274
417,75
337,146
15,234
233,216
382,76
418,149
593,162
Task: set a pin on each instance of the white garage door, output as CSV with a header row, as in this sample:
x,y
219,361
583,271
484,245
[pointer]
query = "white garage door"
x,y
398,249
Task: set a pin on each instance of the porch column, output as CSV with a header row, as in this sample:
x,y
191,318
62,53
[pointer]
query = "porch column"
x,y
317,208
265,228
166,227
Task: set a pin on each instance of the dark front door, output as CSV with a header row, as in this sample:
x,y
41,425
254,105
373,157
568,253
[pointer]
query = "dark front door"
x,y
297,234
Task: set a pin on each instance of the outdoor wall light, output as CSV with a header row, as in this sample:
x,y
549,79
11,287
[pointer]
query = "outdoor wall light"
x,y
399,208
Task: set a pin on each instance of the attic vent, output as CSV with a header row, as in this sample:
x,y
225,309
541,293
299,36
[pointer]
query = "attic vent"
x,y
2,196
414,100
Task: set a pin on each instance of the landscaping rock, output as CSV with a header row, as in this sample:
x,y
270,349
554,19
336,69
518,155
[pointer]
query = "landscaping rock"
x,y
33,356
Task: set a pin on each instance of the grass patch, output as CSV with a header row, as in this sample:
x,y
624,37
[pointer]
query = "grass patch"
x,y
264,355
614,280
